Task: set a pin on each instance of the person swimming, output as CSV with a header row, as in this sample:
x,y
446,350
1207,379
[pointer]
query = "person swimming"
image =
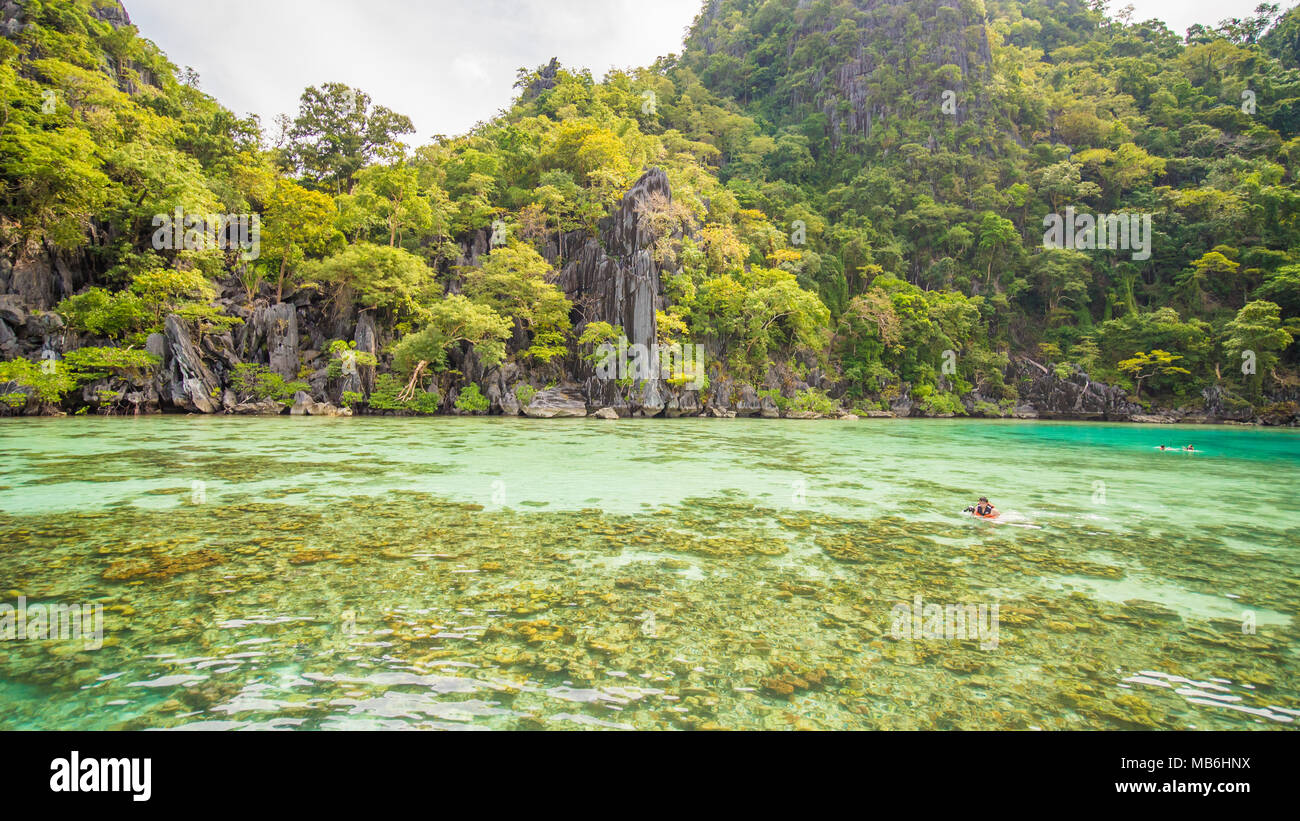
x,y
1190,448
984,509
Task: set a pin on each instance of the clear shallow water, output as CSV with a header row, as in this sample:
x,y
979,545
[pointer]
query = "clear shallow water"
x,y
493,573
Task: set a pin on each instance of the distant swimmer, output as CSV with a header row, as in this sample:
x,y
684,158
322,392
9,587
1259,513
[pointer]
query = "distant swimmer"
x,y
1190,448
984,509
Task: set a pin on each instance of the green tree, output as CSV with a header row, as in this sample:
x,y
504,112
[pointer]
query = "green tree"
x,y
448,322
867,329
374,276
472,400
1256,334
1063,276
299,223
391,196
338,132
1283,288
103,313
1146,365
996,234
515,282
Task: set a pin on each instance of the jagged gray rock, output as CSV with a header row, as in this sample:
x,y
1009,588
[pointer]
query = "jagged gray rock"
x,y
192,385
1224,405
12,310
32,279
509,403
557,403
1076,396
8,340
367,340
266,407
685,403
271,335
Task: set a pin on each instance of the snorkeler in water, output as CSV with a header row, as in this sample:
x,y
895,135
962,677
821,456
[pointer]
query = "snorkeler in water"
x,y
984,509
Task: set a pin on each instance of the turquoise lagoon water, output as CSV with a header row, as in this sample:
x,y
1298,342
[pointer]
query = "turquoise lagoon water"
x,y
476,573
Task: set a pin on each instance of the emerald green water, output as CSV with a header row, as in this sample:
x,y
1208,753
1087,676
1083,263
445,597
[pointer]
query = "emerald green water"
x,y
568,574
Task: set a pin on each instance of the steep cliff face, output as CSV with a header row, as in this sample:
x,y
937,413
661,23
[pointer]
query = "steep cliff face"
x,y
610,277
858,65
614,279
271,336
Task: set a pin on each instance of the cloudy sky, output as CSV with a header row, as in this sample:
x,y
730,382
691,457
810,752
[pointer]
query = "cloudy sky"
x,y
446,64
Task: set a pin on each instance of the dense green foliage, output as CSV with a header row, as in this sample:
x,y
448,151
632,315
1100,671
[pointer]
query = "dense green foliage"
x,y
258,383
51,379
858,184
472,400
1069,108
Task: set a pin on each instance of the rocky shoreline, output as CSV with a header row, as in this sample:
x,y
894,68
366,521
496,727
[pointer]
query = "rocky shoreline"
x,y
567,403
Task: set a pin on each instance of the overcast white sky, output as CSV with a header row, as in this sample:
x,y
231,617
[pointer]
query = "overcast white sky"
x,y
446,64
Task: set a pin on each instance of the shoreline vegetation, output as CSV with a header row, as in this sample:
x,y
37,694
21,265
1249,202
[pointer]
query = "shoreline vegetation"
x,y
878,253
322,409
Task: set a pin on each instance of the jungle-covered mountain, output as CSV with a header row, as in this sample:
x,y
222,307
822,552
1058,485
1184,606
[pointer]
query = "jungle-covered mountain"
x,y
843,201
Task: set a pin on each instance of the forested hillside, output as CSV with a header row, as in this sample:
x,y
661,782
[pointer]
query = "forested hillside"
x,y
843,201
